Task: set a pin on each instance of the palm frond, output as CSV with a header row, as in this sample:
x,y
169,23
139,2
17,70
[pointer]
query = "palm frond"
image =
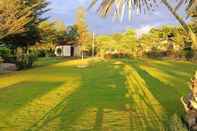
x,y
118,8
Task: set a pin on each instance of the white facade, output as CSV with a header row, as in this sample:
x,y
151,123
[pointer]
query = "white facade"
x,y
63,50
67,51
77,51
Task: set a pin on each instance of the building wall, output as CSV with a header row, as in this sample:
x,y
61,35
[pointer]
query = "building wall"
x,y
77,51
66,51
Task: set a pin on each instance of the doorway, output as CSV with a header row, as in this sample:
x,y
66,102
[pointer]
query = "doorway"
x,y
72,51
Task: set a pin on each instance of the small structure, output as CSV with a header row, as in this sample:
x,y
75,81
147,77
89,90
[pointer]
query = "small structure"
x,y
190,105
68,50
6,67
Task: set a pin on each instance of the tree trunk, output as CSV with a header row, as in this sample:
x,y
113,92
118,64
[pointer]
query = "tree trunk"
x,y
183,23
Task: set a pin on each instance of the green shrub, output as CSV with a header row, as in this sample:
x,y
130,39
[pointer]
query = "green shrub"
x,y
188,52
25,60
155,53
116,55
41,53
10,59
46,52
4,52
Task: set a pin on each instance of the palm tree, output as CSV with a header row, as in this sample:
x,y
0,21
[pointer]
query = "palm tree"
x,y
193,9
173,11
119,7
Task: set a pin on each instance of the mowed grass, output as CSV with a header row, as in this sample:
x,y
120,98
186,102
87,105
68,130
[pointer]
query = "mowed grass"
x,y
109,95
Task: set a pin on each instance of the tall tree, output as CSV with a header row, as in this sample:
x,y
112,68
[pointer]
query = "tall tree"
x,y
13,19
19,21
72,34
40,7
82,27
192,9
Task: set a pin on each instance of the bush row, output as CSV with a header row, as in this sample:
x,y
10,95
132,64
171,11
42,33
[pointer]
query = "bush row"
x,y
24,58
186,53
116,55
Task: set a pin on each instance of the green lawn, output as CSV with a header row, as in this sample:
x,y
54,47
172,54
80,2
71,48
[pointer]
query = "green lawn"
x,y
109,95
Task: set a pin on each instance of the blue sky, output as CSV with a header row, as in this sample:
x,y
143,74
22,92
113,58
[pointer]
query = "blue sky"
x,y
64,10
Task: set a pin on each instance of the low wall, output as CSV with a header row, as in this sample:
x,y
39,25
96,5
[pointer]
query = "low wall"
x,y
7,67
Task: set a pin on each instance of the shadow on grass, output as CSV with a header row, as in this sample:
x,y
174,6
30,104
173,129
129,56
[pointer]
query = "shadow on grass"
x,y
163,92
180,68
99,120
167,96
42,62
102,87
18,95
180,74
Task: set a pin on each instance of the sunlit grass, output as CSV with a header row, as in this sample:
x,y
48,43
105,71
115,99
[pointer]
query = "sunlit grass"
x,y
159,74
145,108
108,95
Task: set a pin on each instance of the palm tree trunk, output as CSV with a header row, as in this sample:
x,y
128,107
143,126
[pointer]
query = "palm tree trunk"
x,y
182,22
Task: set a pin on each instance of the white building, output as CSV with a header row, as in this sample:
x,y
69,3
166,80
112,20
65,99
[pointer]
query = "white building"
x,y
67,50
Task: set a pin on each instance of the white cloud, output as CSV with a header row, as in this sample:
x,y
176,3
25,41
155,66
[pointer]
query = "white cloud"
x,y
143,30
65,10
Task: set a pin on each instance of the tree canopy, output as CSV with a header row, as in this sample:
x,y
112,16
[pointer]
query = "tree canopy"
x,y
19,21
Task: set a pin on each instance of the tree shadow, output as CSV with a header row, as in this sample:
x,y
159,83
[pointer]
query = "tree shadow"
x,y
180,74
106,90
43,62
167,96
179,68
17,95
145,111
99,120
162,91
102,87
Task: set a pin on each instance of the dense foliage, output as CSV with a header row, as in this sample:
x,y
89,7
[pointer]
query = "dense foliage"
x,y
19,25
84,36
164,41
167,41
117,45
20,20
25,34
